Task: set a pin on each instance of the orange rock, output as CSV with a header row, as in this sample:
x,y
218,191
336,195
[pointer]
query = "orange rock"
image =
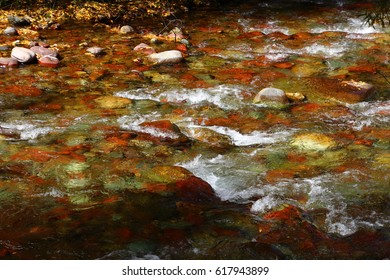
x,y
276,175
21,90
284,65
367,68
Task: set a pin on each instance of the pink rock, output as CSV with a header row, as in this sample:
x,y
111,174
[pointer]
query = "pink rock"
x,y
9,61
144,48
42,51
48,61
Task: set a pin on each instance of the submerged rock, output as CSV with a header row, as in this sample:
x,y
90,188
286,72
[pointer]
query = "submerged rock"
x,y
295,96
167,57
313,141
164,132
271,95
23,55
9,61
112,102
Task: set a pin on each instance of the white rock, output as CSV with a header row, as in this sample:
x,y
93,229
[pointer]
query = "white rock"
x,y
166,57
271,95
22,55
126,29
10,31
95,50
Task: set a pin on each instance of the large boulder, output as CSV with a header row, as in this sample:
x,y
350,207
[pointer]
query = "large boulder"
x,y
167,57
23,55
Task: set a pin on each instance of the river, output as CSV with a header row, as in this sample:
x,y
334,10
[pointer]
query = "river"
x,y
109,157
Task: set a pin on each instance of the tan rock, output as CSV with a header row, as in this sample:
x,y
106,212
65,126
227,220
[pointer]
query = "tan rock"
x,y
314,141
112,102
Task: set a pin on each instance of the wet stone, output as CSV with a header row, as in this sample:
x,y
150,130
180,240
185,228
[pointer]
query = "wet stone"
x,y
126,29
9,61
18,21
42,51
23,55
167,57
10,31
313,141
96,50
112,102
49,61
144,48
271,95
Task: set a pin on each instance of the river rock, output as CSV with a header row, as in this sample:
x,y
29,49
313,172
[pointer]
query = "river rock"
x,y
48,61
313,141
112,102
95,50
126,29
42,51
164,132
144,48
295,96
18,21
10,31
347,91
271,95
9,61
22,55
167,57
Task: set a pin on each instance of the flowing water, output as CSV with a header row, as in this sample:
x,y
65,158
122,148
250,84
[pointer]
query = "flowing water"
x,y
110,158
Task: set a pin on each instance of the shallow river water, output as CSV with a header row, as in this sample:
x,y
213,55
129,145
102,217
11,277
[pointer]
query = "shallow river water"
x,y
109,157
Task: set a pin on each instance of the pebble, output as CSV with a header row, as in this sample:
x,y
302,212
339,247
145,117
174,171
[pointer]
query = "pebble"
x,y
10,31
167,57
23,55
126,29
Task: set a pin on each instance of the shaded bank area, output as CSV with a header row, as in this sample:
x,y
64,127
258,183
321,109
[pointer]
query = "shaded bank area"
x,y
45,13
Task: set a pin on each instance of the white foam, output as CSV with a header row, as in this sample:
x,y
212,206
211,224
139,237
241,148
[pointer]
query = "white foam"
x,y
27,131
368,114
253,138
230,179
352,26
334,50
223,96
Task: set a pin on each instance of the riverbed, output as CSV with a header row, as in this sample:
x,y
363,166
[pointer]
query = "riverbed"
x,y
111,157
